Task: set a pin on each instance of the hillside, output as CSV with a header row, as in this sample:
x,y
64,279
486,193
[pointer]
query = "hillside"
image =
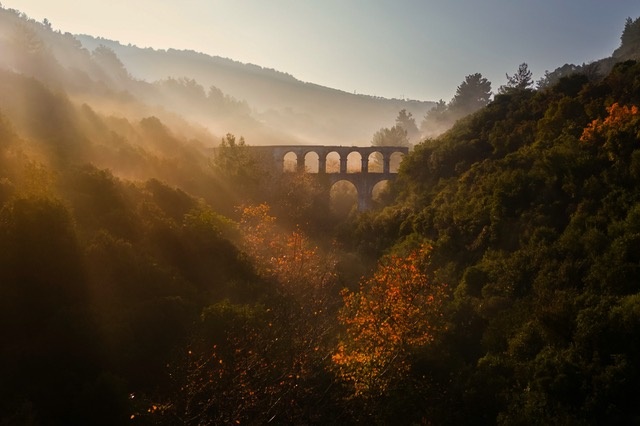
x,y
315,114
265,106
531,209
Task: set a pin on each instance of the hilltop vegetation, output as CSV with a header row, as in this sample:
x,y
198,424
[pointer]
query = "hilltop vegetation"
x,y
145,281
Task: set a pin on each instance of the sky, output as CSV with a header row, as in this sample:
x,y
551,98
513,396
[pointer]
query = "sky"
x,y
412,49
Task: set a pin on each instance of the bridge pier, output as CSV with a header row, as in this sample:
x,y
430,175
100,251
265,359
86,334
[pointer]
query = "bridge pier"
x,y
343,165
322,165
365,165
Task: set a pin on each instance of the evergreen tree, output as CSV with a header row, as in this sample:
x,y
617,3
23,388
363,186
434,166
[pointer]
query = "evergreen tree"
x,y
521,80
406,121
471,95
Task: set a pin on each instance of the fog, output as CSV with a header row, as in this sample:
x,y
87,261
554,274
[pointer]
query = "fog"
x,y
264,99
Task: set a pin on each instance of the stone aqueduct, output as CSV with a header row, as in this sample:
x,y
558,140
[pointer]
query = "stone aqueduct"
x,y
364,180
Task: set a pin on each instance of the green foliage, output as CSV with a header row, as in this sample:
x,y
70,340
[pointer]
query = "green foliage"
x,y
236,165
531,208
406,121
394,136
471,95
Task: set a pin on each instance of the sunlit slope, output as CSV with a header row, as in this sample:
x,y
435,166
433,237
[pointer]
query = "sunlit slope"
x,y
59,61
315,113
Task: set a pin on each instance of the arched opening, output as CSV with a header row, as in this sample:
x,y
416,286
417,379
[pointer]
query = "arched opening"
x,y
354,162
343,198
380,192
333,162
311,162
396,159
375,162
290,162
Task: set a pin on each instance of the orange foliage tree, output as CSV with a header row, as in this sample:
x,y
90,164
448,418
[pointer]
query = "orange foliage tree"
x,y
299,267
266,361
618,133
395,312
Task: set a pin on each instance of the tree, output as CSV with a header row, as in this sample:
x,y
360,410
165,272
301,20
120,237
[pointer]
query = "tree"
x,y
406,121
521,80
626,36
617,133
629,40
234,163
265,362
395,136
395,312
472,94
111,65
436,121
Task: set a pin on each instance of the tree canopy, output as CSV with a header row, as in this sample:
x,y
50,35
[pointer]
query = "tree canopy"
x,y
520,80
471,95
394,136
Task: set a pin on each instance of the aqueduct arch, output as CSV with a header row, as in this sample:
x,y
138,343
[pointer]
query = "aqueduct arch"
x,y
362,179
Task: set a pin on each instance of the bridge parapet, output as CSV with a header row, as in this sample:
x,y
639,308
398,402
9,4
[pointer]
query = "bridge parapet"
x,y
278,153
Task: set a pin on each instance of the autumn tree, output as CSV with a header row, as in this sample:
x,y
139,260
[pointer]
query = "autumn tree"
x,y
262,362
393,313
617,133
287,256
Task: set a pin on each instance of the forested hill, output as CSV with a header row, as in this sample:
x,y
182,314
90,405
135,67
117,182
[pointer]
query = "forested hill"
x,y
311,111
265,106
532,209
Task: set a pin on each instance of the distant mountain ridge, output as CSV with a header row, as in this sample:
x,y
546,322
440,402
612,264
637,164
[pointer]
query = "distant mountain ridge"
x,y
313,113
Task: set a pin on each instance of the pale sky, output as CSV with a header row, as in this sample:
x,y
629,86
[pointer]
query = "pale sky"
x,y
416,49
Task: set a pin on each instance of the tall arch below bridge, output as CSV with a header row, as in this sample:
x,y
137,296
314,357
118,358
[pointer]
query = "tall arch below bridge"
x,y
363,180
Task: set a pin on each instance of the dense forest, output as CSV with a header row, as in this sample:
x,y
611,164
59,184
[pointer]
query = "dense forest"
x,y
146,281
